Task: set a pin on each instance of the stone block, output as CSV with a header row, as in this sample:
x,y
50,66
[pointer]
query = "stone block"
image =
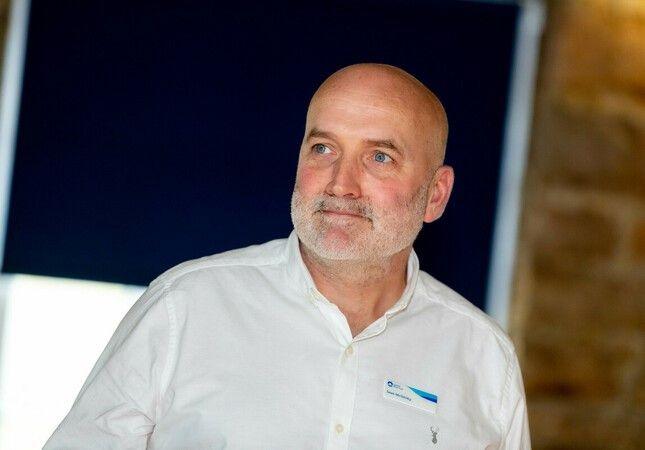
x,y
596,150
588,305
562,365
638,243
588,425
572,240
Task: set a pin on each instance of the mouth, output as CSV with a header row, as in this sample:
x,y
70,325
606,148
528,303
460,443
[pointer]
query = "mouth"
x,y
342,213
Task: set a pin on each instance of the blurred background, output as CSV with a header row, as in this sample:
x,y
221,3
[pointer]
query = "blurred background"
x,y
137,136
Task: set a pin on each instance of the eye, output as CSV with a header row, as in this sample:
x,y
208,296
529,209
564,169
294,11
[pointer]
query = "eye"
x,y
321,149
381,157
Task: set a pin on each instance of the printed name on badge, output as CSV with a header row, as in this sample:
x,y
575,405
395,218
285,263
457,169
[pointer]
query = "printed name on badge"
x,y
411,396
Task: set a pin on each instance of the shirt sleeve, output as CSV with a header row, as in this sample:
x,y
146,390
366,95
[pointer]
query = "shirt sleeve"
x,y
517,435
116,407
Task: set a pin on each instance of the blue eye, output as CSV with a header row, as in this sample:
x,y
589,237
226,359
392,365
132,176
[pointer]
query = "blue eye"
x,y
321,149
382,157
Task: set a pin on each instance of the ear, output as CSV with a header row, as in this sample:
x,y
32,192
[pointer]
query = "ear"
x,y
439,193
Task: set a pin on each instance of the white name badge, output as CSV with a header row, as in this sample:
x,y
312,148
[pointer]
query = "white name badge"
x,y
409,395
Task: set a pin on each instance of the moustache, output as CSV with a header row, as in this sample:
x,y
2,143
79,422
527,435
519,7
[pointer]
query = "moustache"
x,y
348,206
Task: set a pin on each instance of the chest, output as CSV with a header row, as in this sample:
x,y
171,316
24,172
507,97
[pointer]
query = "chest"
x,y
309,392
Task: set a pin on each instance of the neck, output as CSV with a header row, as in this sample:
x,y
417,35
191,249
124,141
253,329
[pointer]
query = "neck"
x,y
362,290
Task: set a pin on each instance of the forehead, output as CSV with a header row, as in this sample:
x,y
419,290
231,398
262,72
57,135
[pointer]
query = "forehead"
x,y
367,113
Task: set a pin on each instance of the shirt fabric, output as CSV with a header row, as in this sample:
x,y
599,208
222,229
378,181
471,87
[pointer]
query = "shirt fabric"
x,y
239,350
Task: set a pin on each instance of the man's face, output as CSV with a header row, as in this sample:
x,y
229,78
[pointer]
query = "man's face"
x,y
363,175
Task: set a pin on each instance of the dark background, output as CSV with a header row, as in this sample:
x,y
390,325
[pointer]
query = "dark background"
x,y
152,132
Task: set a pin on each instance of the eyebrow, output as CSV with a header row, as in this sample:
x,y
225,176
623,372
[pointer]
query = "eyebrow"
x,y
316,133
383,143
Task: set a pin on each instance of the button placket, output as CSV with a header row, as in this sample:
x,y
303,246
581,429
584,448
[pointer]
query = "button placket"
x,y
343,398
334,318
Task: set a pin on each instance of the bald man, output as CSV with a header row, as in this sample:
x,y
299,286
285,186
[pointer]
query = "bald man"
x,y
332,338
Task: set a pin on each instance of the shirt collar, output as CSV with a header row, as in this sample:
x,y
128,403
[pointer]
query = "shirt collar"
x,y
300,275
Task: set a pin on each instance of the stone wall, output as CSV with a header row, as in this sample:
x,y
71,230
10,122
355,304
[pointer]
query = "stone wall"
x,y
578,310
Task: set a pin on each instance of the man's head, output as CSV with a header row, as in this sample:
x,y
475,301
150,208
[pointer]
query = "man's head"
x,y
370,170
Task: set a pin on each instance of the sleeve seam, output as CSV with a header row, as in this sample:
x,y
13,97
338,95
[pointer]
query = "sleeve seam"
x,y
170,355
510,370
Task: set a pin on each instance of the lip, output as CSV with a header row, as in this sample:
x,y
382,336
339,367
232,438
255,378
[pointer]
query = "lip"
x,y
342,213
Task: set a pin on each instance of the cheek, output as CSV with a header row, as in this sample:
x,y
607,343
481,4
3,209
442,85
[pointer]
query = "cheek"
x,y
310,180
391,201
385,195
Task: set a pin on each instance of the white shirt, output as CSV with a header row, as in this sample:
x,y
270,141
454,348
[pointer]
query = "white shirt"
x,y
239,350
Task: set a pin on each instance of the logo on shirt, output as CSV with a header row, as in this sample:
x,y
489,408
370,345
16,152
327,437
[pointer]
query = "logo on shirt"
x,y
411,396
434,434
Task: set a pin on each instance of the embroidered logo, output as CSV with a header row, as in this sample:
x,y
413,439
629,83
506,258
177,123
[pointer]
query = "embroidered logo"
x,y
434,434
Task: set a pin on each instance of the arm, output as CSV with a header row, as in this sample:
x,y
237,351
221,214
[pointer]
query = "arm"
x,y
516,435
116,407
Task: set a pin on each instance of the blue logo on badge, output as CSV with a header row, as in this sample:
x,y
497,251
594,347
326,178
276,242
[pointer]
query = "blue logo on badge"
x,y
426,395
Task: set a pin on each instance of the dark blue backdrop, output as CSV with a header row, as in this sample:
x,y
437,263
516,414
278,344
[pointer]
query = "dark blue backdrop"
x,y
152,132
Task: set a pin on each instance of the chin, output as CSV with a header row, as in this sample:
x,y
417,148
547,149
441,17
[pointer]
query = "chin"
x,y
334,249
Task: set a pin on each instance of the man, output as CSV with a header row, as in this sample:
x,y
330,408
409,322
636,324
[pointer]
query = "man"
x,y
332,338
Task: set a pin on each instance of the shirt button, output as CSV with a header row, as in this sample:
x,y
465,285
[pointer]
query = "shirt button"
x,y
349,351
339,428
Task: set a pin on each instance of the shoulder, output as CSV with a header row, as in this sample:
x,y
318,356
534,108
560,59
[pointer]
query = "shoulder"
x,y
475,341
463,314
254,256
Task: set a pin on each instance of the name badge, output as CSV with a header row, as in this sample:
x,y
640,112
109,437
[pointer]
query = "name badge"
x,y
411,396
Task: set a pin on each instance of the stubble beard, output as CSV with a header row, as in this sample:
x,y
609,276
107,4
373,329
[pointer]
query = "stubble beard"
x,y
376,235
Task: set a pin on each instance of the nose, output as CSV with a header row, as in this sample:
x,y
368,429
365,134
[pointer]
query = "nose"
x,y
345,180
